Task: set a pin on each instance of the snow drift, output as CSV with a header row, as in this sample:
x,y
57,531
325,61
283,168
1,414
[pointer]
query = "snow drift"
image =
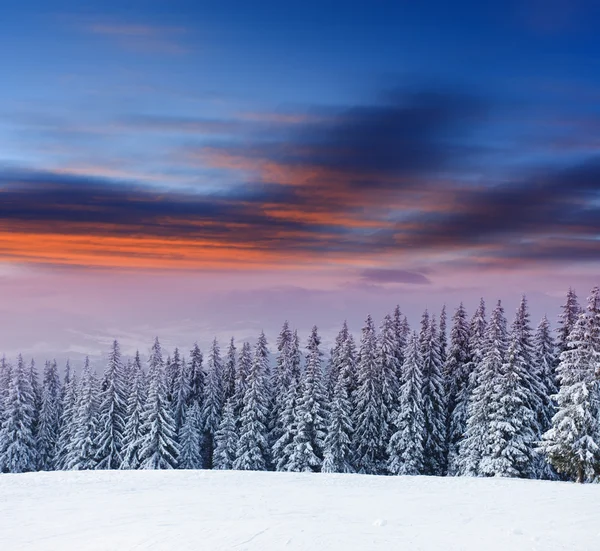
x,y
220,510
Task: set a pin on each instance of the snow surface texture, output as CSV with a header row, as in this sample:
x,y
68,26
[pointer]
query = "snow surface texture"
x,y
220,510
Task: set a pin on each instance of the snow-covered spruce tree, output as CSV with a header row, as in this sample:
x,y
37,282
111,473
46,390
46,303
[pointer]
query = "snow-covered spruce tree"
x,y
424,328
132,434
183,392
229,371
337,456
476,445
369,444
402,331
512,423
406,446
18,452
191,439
388,369
197,375
443,335
244,366
172,376
281,380
111,412
546,362
68,410
49,418
81,450
283,449
212,405
311,412
456,377
567,320
477,343
37,397
253,446
333,364
5,368
226,438
530,375
434,402
159,448
572,444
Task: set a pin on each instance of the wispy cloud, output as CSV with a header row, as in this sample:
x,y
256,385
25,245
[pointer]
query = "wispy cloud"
x,y
141,37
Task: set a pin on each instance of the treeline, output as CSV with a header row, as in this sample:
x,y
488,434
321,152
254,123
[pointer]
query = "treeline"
x,y
491,400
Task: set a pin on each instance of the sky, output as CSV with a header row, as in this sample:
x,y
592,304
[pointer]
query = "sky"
x,y
192,169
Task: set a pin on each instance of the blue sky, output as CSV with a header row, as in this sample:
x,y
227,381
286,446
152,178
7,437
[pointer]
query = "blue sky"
x,y
398,150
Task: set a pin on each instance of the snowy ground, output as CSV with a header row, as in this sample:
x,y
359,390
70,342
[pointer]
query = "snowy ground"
x,y
209,510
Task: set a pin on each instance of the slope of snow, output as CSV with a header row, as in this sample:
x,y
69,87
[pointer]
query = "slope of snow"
x,y
220,510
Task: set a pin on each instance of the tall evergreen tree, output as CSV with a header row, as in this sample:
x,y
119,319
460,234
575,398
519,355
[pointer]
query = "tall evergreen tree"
x,y
369,443
434,402
283,449
572,444
443,335
337,456
402,331
111,413
132,433
213,401
456,376
253,447
282,379
67,415
388,370
159,447
49,419
311,412
183,393
244,366
476,444
334,358
81,450
406,446
197,375
191,439
18,452
226,438
567,320
229,371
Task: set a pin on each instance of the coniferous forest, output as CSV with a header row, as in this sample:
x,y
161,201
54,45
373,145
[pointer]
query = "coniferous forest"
x,y
474,395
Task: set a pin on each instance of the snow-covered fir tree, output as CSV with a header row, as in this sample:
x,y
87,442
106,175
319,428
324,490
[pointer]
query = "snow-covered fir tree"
x,y
282,379
337,454
567,319
191,439
212,405
226,438
132,433
159,448
456,377
443,336
111,412
572,444
241,379
229,371
402,331
406,446
434,401
183,393
310,412
49,418
334,358
197,375
253,446
388,370
82,448
476,444
67,414
369,441
172,375
18,451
